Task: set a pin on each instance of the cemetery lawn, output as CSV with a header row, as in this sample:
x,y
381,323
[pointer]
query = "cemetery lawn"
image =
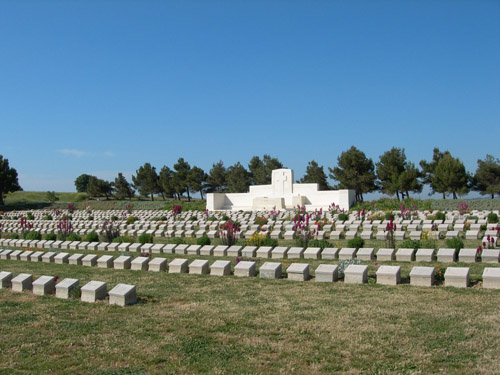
x,y
201,324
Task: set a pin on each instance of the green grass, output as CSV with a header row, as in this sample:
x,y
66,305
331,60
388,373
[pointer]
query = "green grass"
x,y
33,197
201,324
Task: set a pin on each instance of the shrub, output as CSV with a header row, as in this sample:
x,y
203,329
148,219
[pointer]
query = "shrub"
x,y
47,217
92,237
50,237
33,235
343,264
320,243
30,216
123,239
73,237
114,217
202,241
356,242
440,216
132,219
14,236
145,238
259,220
482,227
178,240
268,241
455,243
492,218
343,217
225,218
212,218
192,218
411,244
80,197
388,215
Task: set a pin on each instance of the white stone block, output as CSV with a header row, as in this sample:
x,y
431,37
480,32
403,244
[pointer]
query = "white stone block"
x,y
122,262
105,261
169,248
298,271
158,265
457,277
234,251
157,248
178,266
62,258
356,274
220,268
365,253
491,278
312,253
490,256
422,276
89,260
82,245
199,267
367,235
279,252
44,285
335,234
25,256
181,249
389,275
93,291
22,282
405,255
124,246
123,295
76,259
295,253
424,255
66,287
472,235
264,252
193,250
5,279
400,235
36,256
207,250
326,273
270,270
220,251
113,247
347,253
245,269
289,235
249,251
135,247
446,255
452,234
330,253
139,264
351,234
467,256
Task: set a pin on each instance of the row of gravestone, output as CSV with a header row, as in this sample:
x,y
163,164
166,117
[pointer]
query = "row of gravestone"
x,y
121,294
445,255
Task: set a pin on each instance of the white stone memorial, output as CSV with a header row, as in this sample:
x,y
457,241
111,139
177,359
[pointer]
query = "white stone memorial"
x,y
5,279
22,282
405,255
139,264
330,253
178,266
326,273
457,277
365,253
220,268
89,260
389,275
65,288
93,291
158,265
123,295
44,285
356,274
270,270
491,278
245,269
105,261
312,253
122,262
199,267
422,276
298,271
76,259
446,255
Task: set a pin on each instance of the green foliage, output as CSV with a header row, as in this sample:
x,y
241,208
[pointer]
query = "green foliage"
x,y
202,241
225,217
8,179
259,220
411,244
73,237
354,171
388,215
320,243
92,237
166,182
238,179
52,197
194,205
47,217
356,242
440,216
344,263
217,177
487,177
178,240
123,239
14,236
82,182
268,241
146,180
80,197
145,238
449,176
132,219
193,218
492,218
30,216
261,170
212,218
343,217
439,274
123,189
180,178
316,175
114,217
33,235
99,188
50,237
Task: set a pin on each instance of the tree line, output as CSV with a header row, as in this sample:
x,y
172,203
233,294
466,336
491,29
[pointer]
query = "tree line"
x,y
392,174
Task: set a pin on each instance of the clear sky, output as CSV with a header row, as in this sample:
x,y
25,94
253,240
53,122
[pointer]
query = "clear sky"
x,y
101,87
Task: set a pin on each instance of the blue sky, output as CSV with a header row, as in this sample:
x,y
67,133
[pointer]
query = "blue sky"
x,y
101,87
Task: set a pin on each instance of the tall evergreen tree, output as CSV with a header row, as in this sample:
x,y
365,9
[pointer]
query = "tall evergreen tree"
x,y
354,171
428,169
197,180
146,180
316,175
487,177
450,176
82,182
217,178
99,188
180,178
8,179
166,182
238,178
261,170
123,189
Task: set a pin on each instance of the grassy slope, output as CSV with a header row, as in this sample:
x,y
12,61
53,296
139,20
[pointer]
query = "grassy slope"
x,y
193,324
